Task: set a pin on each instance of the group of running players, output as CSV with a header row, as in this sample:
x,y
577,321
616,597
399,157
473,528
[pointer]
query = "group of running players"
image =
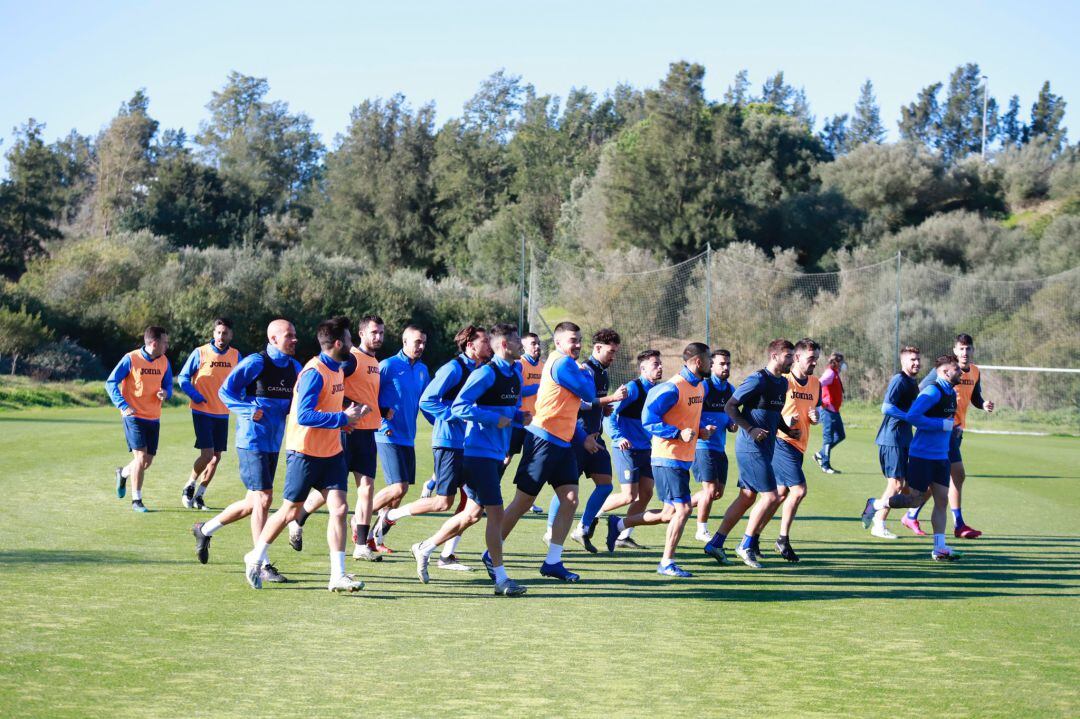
x,y
346,412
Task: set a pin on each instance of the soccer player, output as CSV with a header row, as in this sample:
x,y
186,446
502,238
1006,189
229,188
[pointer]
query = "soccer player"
x,y
200,379
361,372
532,368
314,456
259,391
137,386
632,445
402,379
489,405
801,404
968,394
672,415
592,456
447,438
711,461
933,414
547,457
756,407
832,425
893,439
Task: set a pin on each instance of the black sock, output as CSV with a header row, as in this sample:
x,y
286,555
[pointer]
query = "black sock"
x,y
302,516
362,531
782,539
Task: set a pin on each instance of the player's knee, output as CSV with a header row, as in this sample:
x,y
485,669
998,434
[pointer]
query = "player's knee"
x,y
682,510
338,511
442,503
146,460
262,500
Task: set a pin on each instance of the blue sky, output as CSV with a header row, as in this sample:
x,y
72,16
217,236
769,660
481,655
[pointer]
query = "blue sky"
x,y
70,65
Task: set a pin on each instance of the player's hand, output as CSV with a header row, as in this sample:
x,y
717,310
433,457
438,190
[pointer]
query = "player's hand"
x,y
624,443
526,418
758,434
590,444
503,422
256,415
354,412
129,412
709,431
686,434
620,394
813,416
988,406
365,410
389,414
161,395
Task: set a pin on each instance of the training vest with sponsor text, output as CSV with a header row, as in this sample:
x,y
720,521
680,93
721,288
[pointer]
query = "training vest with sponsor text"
x,y
214,367
686,412
362,387
556,406
800,399
964,390
142,383
530,375
318,441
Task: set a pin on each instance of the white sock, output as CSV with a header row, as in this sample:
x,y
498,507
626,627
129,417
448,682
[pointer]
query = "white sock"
x,y
258,554
125,472
500,574
939,542
665,562
878,504
200,490
190,483
337,564
136,495
212,526
879,523
622,524
427,547
450,546
554,555
395,514
625,534
702,527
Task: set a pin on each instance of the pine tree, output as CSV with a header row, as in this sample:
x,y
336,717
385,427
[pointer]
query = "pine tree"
x,y
866,123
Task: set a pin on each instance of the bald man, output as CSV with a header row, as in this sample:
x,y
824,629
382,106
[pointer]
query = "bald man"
x,y
259,392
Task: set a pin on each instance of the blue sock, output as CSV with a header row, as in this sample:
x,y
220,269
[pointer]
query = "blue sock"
x,y
718,540
747,542
958,518
913,513
553,509
430,485
595,503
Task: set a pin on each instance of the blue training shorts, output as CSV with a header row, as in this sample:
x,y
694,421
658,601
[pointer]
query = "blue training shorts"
x,y
893,461
544,462
483,480
710,465
632,464
257,468
787,465
398,462
211,432
447,470
360,452
142,434
921,473
592,465
672,484
304,473
955,439
755,472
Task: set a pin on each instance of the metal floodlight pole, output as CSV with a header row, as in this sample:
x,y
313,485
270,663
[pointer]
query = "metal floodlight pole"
x,y
521,294
896,359
986,103
708,291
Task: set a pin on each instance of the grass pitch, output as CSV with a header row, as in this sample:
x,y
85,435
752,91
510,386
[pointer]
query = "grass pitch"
x,y
104,612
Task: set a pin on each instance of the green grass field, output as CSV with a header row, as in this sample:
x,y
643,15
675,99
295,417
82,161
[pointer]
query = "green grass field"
x,y
104,612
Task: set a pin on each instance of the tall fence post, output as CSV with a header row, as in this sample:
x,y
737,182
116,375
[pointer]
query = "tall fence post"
x,y
708,292
521,293
896,356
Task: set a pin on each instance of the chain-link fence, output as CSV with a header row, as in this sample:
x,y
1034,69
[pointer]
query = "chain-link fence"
x,y
738,299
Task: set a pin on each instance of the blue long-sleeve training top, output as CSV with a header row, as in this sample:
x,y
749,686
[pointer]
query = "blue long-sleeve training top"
x,y
760,398
123,369
566,373
439,395
895,431
190,368
658,401
932,415
976,392
490,392
401,384
308,387
717,393
264,435
624,422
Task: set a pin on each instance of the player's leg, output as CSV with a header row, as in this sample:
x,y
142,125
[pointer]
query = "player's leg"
x,y
622,461
447,481
939,489
598,468
675,493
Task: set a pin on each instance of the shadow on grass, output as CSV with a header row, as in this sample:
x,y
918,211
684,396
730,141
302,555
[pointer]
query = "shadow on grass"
x,y
1024,476
58,420
77,556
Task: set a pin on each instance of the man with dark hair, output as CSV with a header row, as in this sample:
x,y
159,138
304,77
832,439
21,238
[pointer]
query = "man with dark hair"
x,y
893,439
968,394
259,392
547,457
361,372
488,403
711,462
933,414
832,424
632,445
592,456
137,386
447,438
756,407
672,415
532,369
200,379
314,457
